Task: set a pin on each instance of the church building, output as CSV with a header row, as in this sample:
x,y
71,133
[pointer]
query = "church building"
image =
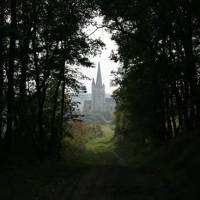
x,y
98,93
98,102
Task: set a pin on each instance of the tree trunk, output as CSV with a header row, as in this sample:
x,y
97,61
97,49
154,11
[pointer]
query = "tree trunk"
x,y
62,106
191,70
40,134
1,67
24,57
10,93
54,134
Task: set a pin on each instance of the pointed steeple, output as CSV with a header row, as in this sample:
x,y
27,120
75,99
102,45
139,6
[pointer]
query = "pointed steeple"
x,y
99,78
93,82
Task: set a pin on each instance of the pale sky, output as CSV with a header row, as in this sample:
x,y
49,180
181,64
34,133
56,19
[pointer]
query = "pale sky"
x,y
107,65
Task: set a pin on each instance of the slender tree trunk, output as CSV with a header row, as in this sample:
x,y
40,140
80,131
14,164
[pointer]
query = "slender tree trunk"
x,y
1,67
168,116
173,119
10,93
162,131
62,106
173,110
179,105
54,134
24,56
191,70
185,88
24,51
40,138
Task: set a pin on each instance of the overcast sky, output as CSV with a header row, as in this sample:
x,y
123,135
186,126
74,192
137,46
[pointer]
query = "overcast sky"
x,y
107,65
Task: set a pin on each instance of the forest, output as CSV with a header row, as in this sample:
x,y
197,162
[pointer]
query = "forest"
x,y
40,41
154,135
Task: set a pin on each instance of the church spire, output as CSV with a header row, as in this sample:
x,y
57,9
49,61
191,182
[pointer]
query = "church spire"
x,y
99,78
93,82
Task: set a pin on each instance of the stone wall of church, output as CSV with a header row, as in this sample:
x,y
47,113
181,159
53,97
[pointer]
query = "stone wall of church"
x,y
98,99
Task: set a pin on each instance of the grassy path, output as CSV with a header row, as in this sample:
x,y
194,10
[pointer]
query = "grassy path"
x,y
100,151
99,175
121,183
109,178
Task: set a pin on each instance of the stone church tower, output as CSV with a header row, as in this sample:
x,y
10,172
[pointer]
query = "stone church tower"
x,y
98,93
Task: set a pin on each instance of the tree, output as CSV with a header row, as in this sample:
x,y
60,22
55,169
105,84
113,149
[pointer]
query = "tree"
x,y
45,42
11,68
159,80
2,62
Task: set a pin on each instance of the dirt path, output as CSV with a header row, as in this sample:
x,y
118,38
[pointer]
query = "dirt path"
x,y
120,183
114,180
105,177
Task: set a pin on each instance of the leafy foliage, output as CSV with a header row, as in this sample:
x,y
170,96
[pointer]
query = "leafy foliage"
x,y
158,95
40,42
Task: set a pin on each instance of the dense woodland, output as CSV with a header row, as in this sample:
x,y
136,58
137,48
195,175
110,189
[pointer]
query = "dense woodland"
x,y
159,90
42,40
